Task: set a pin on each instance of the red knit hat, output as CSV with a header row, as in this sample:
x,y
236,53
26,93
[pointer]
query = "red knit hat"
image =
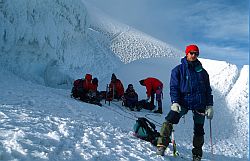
x,y
191,48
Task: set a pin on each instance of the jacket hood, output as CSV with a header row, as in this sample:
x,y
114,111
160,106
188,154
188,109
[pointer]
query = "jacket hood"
x,y
88,77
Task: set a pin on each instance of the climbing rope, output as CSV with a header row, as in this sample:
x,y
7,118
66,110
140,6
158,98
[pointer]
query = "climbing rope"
x,y
109,108
133,116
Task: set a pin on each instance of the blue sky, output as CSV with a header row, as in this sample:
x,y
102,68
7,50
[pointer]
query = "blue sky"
x,y
219,27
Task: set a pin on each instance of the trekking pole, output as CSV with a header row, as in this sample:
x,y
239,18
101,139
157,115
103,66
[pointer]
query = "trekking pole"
x,y
156,104
175,153
109,98
211,141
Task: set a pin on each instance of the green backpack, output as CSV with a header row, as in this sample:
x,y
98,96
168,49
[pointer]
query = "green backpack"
x,y
145,130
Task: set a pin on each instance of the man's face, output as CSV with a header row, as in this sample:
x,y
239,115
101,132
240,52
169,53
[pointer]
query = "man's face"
x,y
192,56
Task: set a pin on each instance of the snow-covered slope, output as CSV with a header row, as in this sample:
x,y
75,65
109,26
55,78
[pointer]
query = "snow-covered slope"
x,y
238,104
41,123
126,42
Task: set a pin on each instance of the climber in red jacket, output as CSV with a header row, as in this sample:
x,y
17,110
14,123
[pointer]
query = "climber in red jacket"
x,y
153,86
116,88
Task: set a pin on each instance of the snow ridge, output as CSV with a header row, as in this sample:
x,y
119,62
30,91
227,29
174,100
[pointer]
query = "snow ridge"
x,y
126,42
222,75
237,99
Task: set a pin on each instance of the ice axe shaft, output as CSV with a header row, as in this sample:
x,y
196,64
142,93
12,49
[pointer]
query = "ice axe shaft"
x,y
211,139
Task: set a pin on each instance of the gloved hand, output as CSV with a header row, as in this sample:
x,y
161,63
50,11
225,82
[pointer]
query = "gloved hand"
x,y
209,112
176,107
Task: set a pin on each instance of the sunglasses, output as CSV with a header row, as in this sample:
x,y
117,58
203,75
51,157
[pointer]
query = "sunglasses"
x,y
194,53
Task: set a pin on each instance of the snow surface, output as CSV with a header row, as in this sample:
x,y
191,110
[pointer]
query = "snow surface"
x,y
45,45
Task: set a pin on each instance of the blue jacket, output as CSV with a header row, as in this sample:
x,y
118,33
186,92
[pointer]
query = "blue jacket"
x,y
190,86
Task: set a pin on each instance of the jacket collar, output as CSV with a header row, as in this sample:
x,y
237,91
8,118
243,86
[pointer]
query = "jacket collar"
x,y
196,65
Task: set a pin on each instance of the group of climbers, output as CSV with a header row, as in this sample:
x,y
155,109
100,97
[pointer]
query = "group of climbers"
x,y
189,90
130,97
86,90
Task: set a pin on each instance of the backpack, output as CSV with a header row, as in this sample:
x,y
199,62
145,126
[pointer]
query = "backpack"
x,y
145,130
92,97
143,104
78,84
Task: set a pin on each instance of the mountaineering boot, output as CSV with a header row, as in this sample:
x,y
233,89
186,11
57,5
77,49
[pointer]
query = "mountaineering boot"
x,y
158,111
198,142
196,158
160,150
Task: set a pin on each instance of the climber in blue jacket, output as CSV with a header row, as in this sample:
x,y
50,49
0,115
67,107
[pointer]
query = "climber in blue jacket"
x,y
189,90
